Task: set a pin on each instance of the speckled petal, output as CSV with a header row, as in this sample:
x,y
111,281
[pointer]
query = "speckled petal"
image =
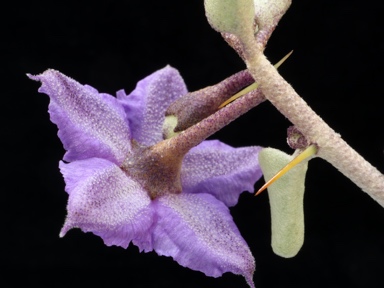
x,y
221,170
146,105
105,201
198,232
90,124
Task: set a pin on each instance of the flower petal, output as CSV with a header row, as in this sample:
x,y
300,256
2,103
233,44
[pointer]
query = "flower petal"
x,y
221,170
198,231
105,201
90,124
146,105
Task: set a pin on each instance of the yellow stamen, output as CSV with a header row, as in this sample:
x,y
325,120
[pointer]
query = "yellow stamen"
x,y
308,152
253,86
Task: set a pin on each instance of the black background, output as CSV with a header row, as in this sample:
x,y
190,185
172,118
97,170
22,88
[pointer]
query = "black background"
x,y
337,67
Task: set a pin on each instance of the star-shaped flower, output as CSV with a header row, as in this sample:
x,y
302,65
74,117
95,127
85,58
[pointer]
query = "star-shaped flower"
x,y
117,193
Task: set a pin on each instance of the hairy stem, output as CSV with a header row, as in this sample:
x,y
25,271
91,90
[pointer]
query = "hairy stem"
x,y
195,106
195,134
332,147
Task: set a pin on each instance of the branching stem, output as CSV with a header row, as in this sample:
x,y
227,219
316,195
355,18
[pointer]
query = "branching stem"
x,y
332,147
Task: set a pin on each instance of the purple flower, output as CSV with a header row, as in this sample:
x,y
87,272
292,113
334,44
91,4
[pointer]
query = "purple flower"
x,y
115,194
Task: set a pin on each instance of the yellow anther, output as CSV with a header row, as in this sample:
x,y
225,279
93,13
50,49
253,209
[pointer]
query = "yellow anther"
x,y
252,86
308,152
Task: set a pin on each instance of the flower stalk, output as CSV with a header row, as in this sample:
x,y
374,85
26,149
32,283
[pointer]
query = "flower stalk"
x,y
195,134
207,115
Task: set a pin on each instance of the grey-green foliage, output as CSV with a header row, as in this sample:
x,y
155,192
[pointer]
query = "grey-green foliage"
x,y
286,201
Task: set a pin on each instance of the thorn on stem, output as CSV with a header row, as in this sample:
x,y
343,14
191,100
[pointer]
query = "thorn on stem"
x,y
308,152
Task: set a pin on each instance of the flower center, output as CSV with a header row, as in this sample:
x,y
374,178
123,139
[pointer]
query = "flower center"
x,y
155,167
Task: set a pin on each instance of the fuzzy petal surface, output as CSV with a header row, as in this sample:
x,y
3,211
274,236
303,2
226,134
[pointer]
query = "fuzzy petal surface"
x,y
90,124
105,201
198,232
146,105
220,170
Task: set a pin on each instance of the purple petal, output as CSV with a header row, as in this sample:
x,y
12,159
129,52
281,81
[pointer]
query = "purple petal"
x,y
105,201
197,230
90,124
221,170
146,105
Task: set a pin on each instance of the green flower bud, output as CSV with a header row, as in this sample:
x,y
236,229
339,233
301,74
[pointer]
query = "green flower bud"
x,y
286,200
231,16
